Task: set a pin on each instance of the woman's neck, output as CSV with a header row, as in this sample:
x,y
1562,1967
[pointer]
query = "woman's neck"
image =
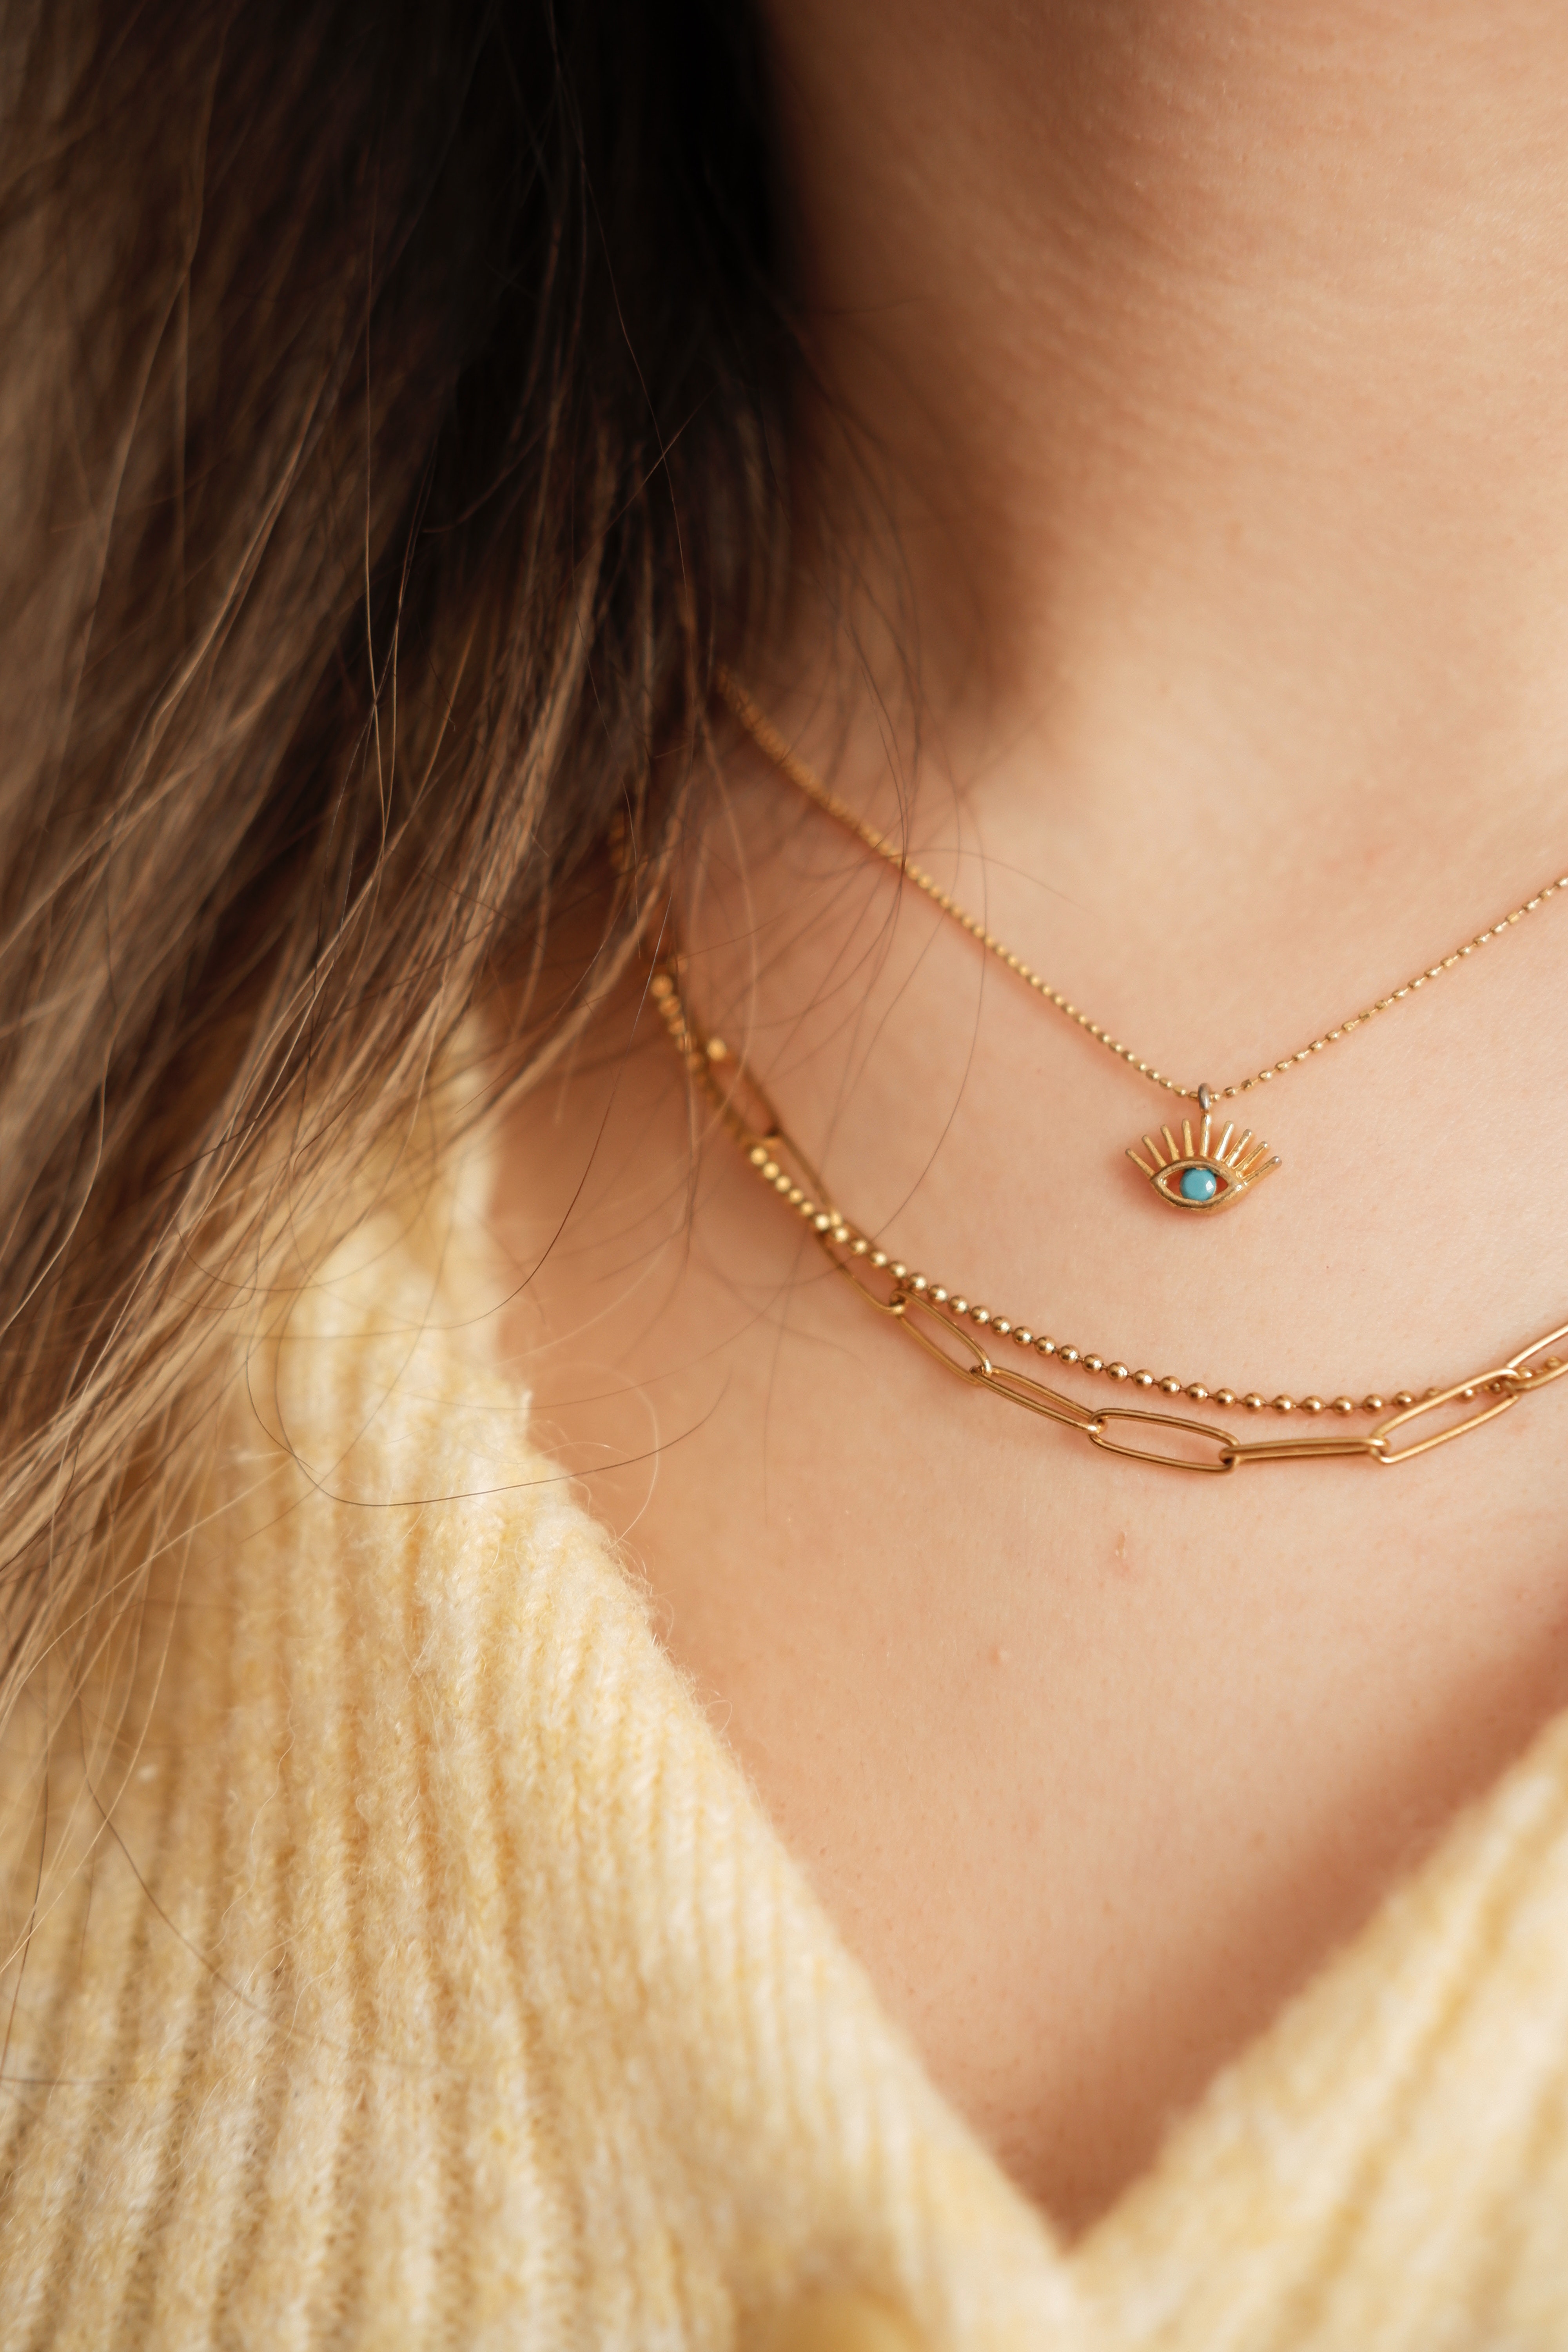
x,y
1210,362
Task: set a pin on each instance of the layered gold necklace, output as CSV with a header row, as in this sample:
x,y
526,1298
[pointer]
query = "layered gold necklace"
x,y
1199,1173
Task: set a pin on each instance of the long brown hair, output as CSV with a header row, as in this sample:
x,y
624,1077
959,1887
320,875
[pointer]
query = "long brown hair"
x,y
390,397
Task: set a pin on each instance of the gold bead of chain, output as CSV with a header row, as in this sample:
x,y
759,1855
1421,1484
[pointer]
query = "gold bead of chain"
x,y
909,1292
769,740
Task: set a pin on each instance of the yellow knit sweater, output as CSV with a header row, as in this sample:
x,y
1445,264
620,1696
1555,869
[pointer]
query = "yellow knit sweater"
x,y
440,1981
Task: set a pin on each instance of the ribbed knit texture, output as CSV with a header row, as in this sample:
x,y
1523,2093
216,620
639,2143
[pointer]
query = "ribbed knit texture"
x,y
440,1982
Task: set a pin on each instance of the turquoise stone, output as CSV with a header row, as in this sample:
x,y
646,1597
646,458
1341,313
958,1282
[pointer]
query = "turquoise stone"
x,y
1198,1184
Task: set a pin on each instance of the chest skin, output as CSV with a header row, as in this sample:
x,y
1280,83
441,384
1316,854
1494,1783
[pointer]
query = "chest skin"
x,y
1092,1763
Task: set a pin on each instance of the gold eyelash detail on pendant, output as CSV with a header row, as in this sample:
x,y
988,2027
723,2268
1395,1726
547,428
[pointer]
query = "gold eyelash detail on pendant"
x,y
1207,1177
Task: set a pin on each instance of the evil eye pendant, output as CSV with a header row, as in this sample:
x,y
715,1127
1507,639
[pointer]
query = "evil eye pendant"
x,y
1206,1176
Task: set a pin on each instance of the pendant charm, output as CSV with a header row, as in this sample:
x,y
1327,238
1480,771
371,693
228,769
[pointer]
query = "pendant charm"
x,y
1208,1176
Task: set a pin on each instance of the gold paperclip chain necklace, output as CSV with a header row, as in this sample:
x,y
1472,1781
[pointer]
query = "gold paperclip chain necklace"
x,y
1205,1173
958,1333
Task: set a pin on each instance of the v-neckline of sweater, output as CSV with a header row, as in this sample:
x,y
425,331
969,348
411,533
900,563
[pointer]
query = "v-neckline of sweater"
x,y
1356,2094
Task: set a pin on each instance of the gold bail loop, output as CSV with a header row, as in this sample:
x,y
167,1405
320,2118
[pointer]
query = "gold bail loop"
x,y
1205,1101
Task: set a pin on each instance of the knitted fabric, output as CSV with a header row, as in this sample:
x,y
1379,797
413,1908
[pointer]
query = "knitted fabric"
x,y
439,1980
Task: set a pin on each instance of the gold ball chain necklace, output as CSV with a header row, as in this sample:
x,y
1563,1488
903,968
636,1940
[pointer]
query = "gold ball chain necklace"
x,y
1198,1174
